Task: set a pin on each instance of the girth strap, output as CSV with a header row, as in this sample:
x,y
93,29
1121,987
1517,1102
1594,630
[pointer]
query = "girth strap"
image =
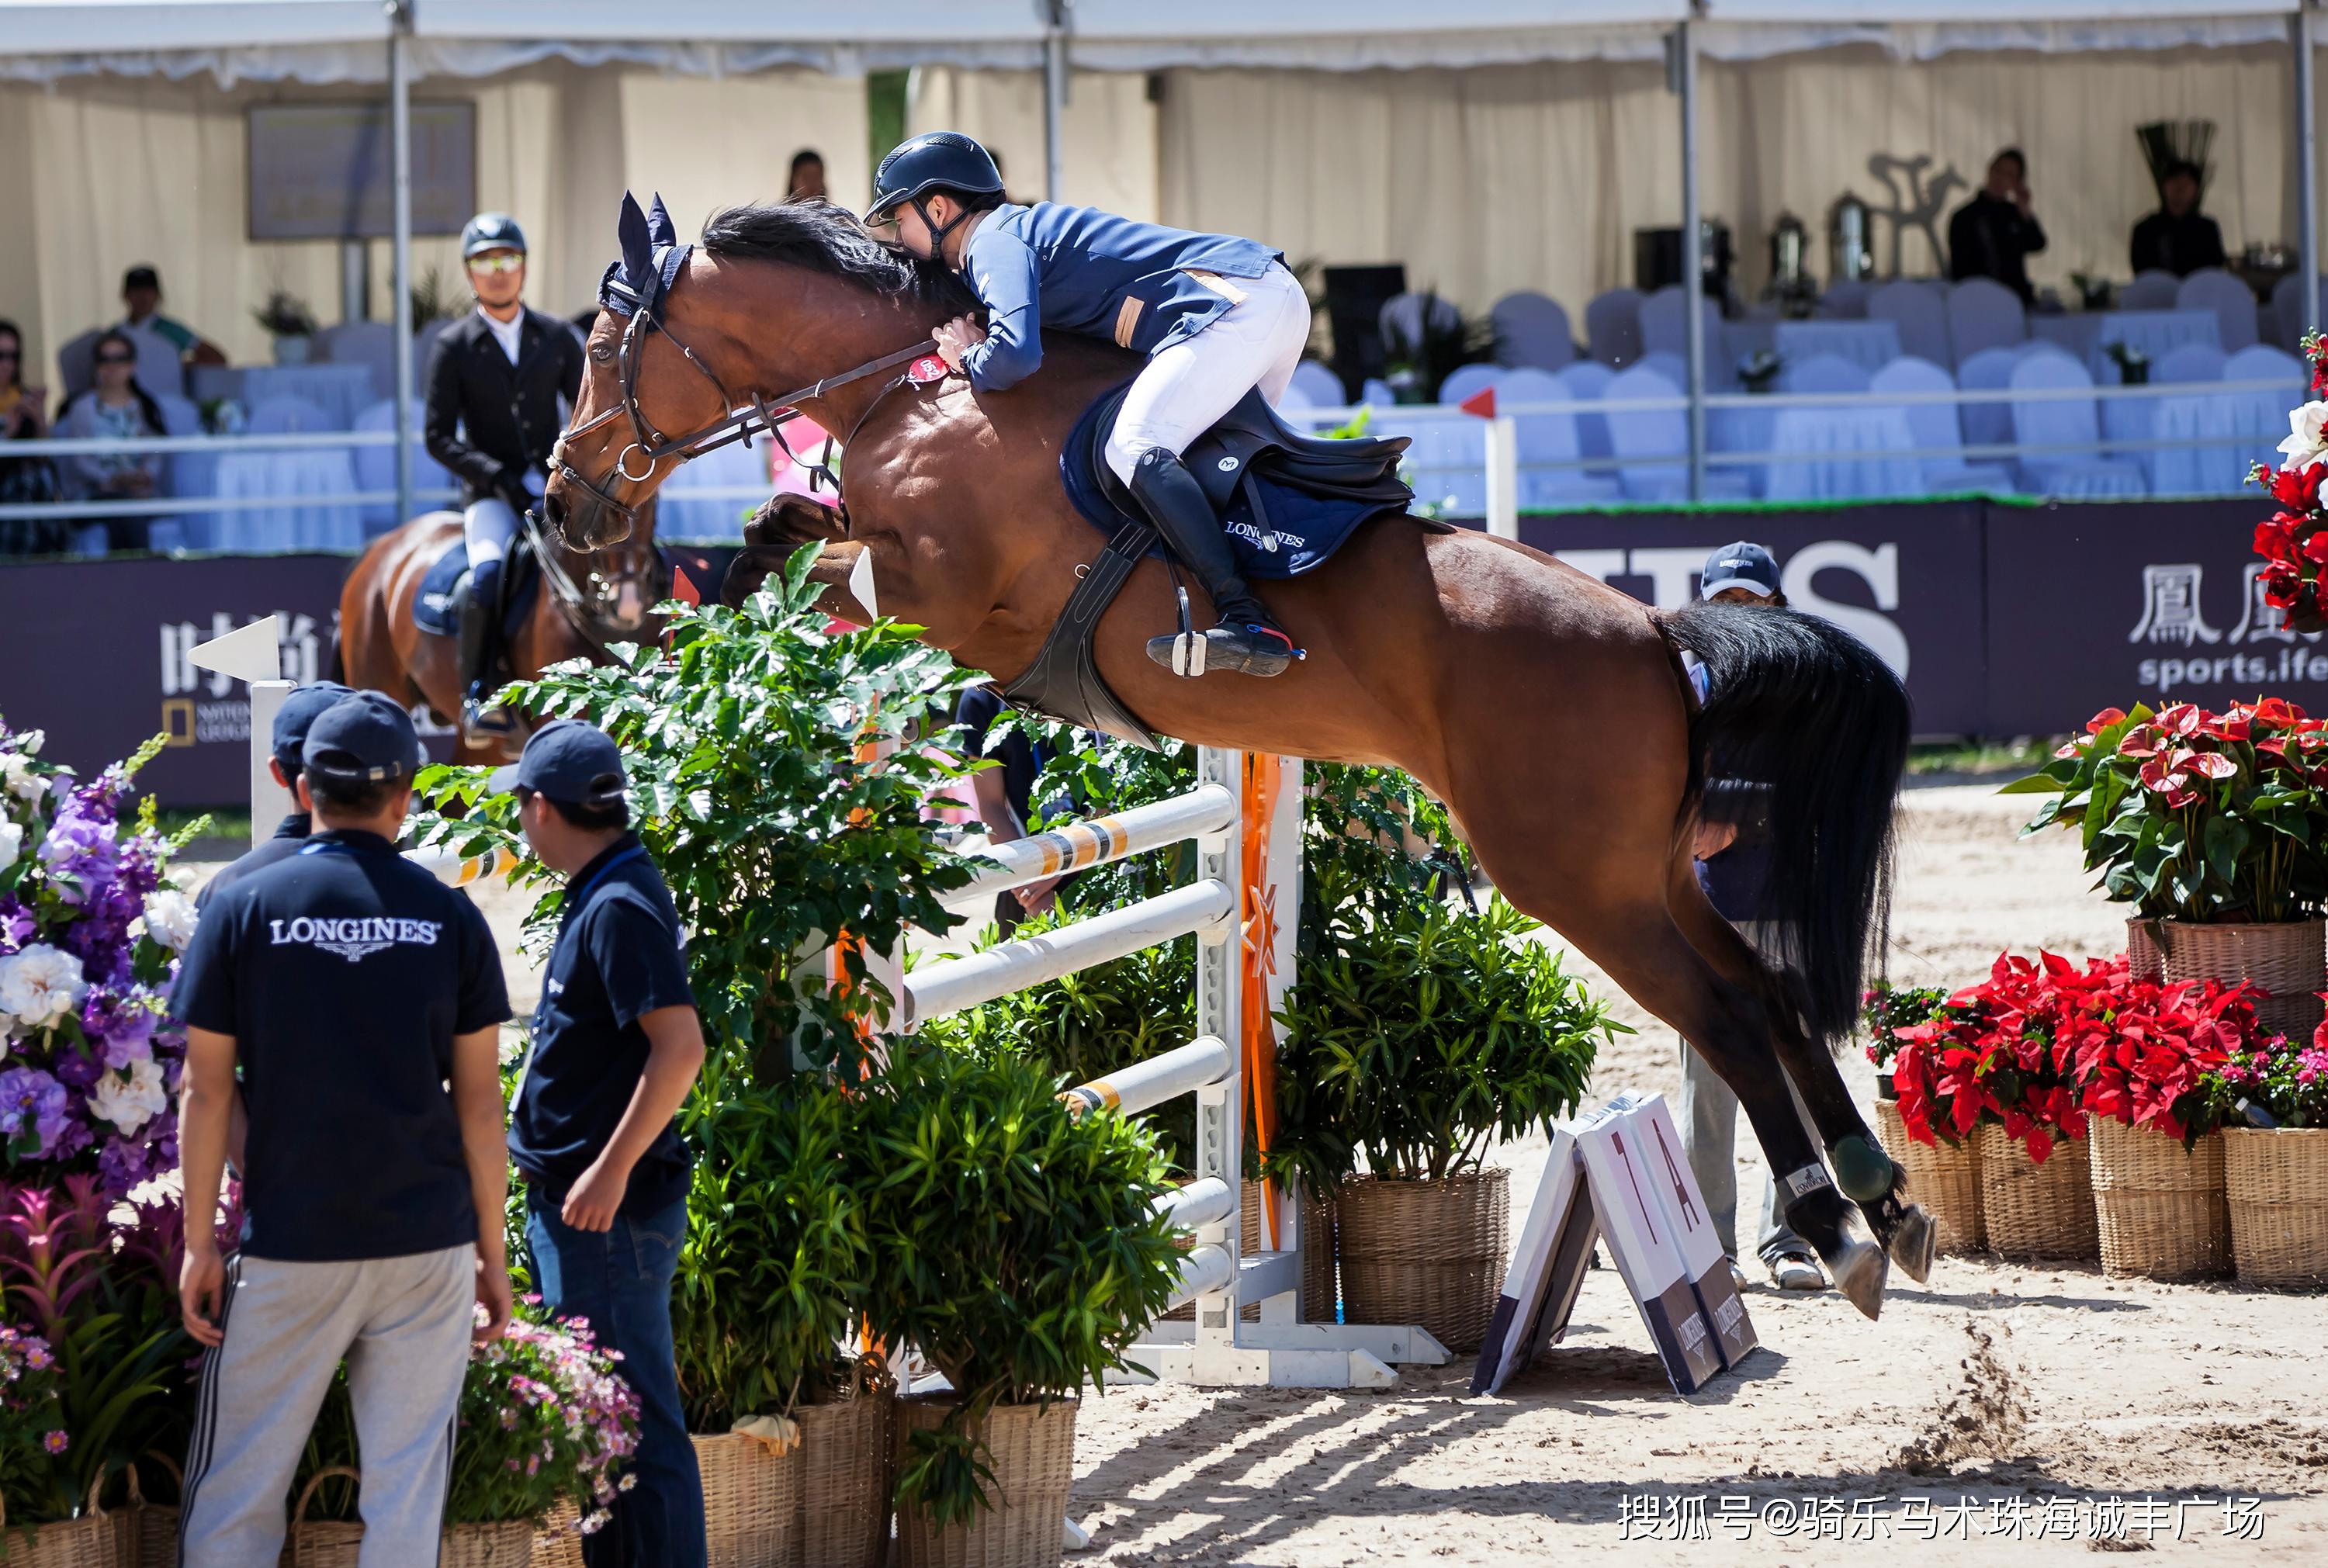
x,y
1063,681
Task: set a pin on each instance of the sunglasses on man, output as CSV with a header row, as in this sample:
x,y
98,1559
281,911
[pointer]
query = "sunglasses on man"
x,y
489,265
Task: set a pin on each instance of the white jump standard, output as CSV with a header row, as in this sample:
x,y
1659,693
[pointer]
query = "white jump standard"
x,y
1219,1348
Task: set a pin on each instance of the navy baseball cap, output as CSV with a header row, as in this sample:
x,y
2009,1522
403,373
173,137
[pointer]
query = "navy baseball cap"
x,y
1739,566
364,738
299,711
568,761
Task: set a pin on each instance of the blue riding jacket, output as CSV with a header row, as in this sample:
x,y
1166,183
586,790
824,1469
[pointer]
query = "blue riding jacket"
x,y
1091,272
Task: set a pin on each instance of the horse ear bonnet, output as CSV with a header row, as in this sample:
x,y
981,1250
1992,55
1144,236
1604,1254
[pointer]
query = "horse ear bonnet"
x,y
651,259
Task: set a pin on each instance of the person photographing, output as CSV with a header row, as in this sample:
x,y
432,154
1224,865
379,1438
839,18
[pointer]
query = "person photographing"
x,y
616,1047
361,1001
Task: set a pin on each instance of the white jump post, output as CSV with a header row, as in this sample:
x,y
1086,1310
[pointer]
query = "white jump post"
x,y
1218,1349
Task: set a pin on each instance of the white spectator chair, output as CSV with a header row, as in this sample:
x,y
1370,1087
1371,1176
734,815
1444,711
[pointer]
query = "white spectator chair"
x,y
1402,318
1470,380
1824,373
682,512
1921,316
424,342
2074,424
1845,299
376,467
1937,428
1376,393
1639,436
1587,380
2150,290
1613,328
2261,417
1446,456
1672,366
1665,325
75,367
1321,385
1532,330
1982,314
1545,439
1988,424
185,474
1293,402
2234,304
287,417
368,343
2287,311
2190,363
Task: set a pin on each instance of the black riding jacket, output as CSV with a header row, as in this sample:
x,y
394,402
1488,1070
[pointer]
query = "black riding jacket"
x,y
488,420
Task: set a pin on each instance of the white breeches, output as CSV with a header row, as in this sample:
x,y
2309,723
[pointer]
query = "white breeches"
x,y
1188,387
488,526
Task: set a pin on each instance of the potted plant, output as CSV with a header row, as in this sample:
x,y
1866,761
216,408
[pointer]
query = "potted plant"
x,y
2275,1165
37,1467
2292,571
1020,1248
286,318
1413,1033
2142,1054
1943,1166
1985,1069
2212,827
793,1433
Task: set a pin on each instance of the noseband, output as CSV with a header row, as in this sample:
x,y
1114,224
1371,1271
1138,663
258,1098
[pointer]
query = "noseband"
x,y
743,419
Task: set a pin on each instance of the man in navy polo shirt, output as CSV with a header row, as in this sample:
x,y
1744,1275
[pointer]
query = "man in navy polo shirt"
x,y
616,1046
287,739
350,987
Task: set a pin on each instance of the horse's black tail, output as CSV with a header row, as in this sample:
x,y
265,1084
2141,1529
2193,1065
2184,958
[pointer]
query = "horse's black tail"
x,y
1804,706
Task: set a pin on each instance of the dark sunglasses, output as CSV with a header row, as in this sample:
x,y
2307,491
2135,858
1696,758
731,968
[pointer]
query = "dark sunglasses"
x,y
116,359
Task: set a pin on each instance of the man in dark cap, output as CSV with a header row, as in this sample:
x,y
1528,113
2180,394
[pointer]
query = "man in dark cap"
x,y
349,987
140,303
616,1046
287,739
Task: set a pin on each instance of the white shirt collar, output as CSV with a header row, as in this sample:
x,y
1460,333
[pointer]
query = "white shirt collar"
x,y
506,332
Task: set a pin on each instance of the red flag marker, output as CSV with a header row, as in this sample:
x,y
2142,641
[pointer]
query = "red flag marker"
x,y
1481,402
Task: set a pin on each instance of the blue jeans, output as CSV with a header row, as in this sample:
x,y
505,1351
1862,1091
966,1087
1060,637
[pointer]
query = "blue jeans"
x,y
620,1281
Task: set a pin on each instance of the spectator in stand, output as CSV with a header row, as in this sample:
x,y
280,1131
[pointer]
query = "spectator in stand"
x,y
807,181
2178,238
141,297
24,481
1994,234
117,408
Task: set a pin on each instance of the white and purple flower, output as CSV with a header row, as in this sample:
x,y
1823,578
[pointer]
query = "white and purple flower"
x,y
130,1101
41,984
169,917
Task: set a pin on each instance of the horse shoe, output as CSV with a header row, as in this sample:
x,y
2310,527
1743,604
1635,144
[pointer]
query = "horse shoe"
x,y
1859,1267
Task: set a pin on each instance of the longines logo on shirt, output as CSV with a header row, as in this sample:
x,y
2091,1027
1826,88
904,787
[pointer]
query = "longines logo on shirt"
x,y
355,938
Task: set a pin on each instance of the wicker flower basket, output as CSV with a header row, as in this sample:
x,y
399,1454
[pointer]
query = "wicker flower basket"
x,y
2160,1210
2143,960
558,1543
2032,1210
1031,1449
96,1540
1426,1252
149,1534
337,1544
1321,1295
845,1482
2277,1185
751,1501
2288,960
1945,1177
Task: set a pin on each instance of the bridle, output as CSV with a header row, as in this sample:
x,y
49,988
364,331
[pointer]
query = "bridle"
x,y
743,419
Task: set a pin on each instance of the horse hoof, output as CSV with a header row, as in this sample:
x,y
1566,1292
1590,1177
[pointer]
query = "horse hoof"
x,y
1914,1239
1859,1268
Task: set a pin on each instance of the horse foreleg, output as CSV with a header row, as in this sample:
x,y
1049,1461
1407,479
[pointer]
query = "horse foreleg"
x,y
842,569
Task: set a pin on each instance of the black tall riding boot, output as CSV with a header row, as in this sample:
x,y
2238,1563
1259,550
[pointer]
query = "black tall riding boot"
x,y
1247,640
480,613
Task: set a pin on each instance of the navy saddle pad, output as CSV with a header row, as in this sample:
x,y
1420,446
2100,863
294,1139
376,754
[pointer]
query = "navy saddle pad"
x,y
1287,500
436,608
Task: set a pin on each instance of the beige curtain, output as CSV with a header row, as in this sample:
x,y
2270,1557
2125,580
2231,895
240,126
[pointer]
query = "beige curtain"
x,y
1109,132
103,173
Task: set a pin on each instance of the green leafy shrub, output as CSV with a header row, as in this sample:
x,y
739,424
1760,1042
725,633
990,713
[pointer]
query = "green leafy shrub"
x,y
750,786
776,1254
1016,1244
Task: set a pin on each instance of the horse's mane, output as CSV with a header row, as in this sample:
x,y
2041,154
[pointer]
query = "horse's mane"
x,y
826,239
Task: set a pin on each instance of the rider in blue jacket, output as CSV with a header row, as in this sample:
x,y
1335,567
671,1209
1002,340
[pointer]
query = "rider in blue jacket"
x,y
1216,315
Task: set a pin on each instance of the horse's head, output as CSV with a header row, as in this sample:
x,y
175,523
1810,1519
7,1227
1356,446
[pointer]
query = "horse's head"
x,y
655,384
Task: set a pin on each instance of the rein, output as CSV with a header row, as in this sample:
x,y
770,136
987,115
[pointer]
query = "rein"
x,y
569,596
743,421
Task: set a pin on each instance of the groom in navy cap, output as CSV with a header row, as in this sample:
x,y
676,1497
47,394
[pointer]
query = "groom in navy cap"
x,y
616,1046
286,742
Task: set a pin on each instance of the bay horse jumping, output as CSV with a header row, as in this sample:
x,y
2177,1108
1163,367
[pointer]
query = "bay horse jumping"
x,y
1551,712
586,601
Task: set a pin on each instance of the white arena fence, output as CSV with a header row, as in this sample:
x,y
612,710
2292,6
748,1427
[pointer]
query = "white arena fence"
x,y
1219,1346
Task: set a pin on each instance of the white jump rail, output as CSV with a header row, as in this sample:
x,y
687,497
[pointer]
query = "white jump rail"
x,y
1219,1347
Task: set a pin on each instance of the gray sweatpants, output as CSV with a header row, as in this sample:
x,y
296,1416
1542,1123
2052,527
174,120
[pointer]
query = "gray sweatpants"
x,y
402,1325
1709,1122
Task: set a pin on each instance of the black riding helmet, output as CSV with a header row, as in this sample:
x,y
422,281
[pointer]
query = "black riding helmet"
x,y
932,160
491,231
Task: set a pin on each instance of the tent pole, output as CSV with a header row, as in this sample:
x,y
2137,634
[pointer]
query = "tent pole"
x,y
1055,99
2307,169
399,114
1693,255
